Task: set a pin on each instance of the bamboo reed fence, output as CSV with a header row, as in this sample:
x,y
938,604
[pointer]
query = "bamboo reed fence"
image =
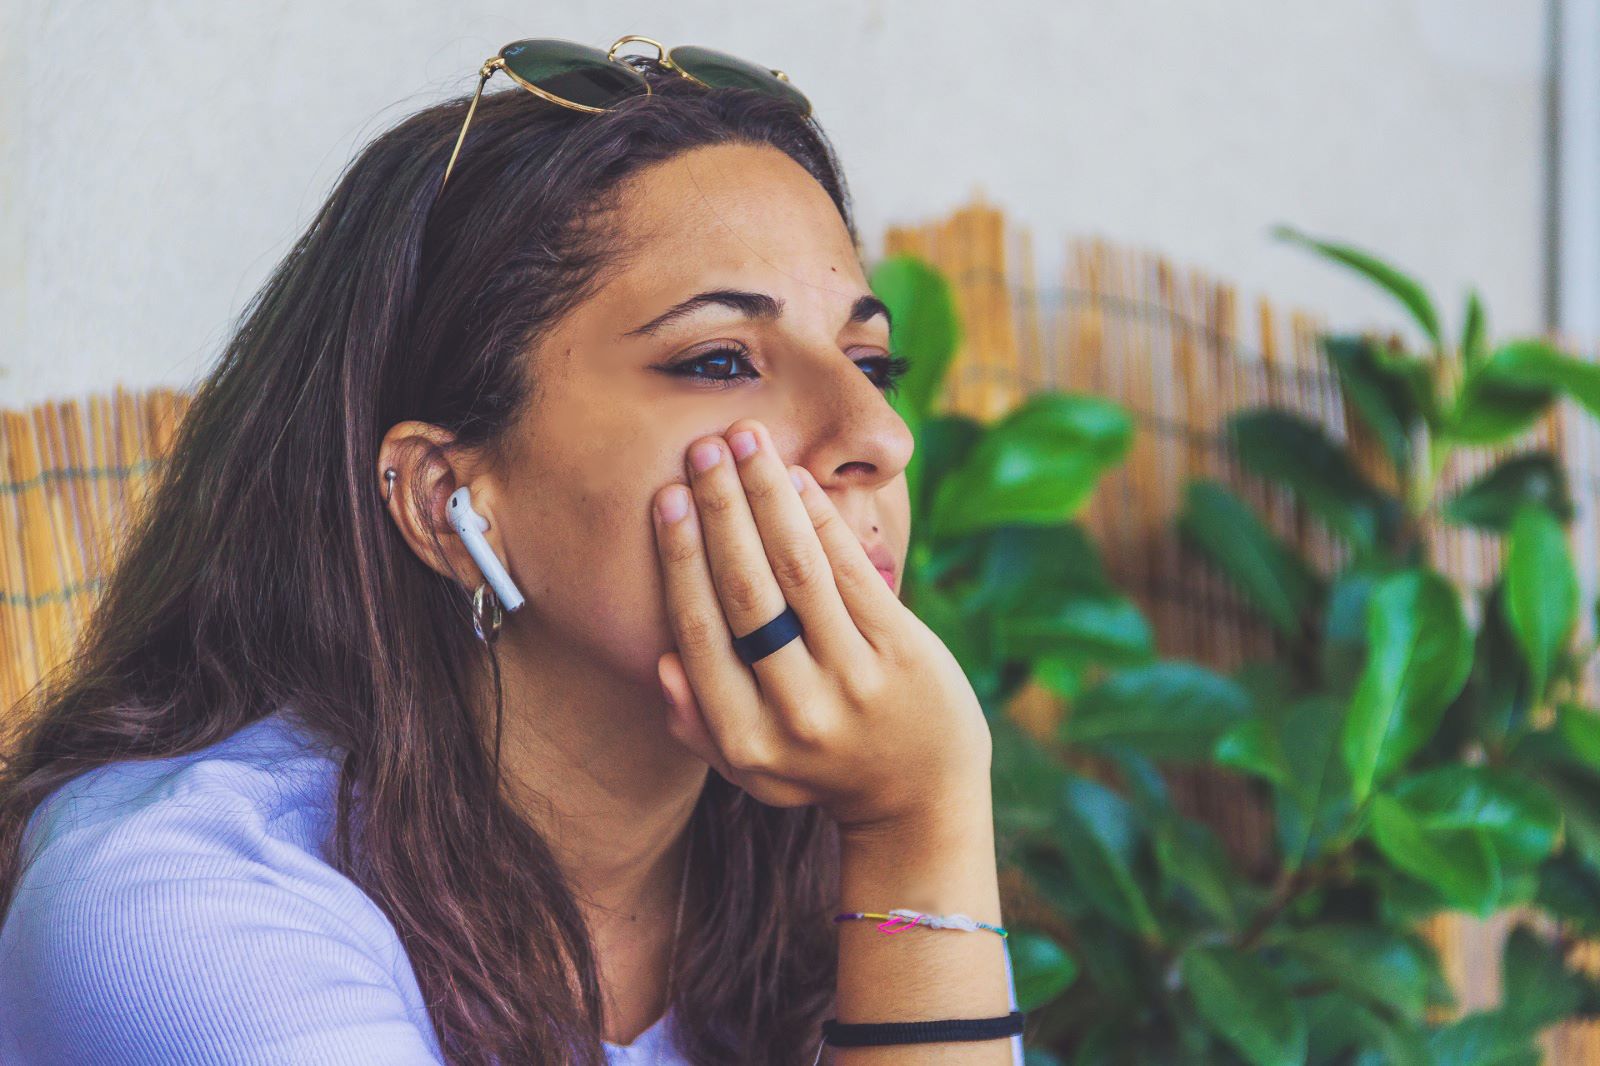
x,y
1173,345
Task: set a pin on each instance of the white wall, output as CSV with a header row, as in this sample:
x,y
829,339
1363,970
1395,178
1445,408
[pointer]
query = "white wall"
x,y
157,159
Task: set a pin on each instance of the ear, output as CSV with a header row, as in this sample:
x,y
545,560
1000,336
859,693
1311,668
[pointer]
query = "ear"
x,y
429,470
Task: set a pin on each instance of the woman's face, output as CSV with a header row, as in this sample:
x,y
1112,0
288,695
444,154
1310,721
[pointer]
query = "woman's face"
x,y
610,421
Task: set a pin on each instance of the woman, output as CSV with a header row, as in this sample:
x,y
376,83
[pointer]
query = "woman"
x,y
308,794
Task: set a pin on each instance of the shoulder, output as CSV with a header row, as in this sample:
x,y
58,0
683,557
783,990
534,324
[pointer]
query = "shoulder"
x,y
188,899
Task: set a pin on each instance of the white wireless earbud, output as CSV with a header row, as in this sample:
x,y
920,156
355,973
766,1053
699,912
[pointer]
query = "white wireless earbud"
x,y
470,525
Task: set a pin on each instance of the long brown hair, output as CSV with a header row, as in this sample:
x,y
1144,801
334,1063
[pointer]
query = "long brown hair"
x,y
264,570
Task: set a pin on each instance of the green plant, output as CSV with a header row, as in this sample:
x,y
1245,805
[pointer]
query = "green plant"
x,y
1420,750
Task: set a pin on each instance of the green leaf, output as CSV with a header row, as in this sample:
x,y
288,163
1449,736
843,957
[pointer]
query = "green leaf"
x,y
1064,675
1040,968
1384,966
1102,838
1253,747
1495,404
1578,793
943,443
1246,1004
967,634
1388,400
1570,891
1492,500
1313,805
1297,453
1539,989
1535,363
1166,709
1104,629
1579,727
1403,287
1474,345
1194,863
1025,780
1018,563
1419,651
1265,571
1460,863
1344,629
1521,820
1541,599
1037,465
1495,701
1484,1038
1336,1022
926,327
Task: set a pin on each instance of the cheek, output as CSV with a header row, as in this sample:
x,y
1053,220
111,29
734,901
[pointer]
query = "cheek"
x,y
592,553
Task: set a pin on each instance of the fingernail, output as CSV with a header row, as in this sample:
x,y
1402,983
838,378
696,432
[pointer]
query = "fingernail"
x,y
673,504
664,693
799,482
704,456
743,444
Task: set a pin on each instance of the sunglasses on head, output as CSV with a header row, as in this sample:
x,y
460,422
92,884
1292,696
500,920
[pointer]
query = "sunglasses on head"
x,y
586,79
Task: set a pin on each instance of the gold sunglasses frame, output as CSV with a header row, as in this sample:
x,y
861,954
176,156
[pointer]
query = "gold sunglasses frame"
x,y
498,62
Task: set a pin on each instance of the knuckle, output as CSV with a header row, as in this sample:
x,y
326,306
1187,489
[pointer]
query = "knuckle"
x,y
717,501
796,569
680,550
853,580
746,756
743,592
696,632
826,520
864,683
810,726
761,489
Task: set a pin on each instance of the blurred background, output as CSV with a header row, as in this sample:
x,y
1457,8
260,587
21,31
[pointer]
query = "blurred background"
x,y
1272,553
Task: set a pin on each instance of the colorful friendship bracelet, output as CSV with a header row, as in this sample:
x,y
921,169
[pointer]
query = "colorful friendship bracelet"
x,y
932,921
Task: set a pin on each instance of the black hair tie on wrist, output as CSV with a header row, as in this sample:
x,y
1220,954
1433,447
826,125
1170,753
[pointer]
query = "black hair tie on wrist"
x,y
877,1034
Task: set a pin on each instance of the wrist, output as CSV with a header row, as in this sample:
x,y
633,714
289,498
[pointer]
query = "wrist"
x,y
957,817
945,868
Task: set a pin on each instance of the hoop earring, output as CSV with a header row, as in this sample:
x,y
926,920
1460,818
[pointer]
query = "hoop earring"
x,y
486,608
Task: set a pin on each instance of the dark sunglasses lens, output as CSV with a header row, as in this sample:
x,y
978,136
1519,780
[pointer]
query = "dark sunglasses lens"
x,y
722,71
572,71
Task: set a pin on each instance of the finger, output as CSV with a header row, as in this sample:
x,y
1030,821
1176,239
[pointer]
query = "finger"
x,y
723,686
688,726
876,611
745,584
794,554
684,720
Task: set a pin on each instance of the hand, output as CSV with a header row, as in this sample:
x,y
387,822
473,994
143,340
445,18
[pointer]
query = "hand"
x,y
866,714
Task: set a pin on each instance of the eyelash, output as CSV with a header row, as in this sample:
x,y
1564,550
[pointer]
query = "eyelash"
x,y
894,366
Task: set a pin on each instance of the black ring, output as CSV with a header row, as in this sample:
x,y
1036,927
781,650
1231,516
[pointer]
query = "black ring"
x,y
770,637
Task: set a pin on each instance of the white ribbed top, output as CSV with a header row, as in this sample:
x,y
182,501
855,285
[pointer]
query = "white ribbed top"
x,y
180,910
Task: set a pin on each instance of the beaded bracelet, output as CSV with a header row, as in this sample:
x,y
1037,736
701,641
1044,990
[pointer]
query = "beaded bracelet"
x,y
932,921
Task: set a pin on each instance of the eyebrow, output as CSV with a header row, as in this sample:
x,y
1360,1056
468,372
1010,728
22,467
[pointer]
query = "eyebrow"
x,y
752,305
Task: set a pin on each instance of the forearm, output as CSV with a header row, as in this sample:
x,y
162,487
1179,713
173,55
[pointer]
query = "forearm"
x,y
920,974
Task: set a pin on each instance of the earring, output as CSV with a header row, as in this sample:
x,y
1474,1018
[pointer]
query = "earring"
x,y
486,608
389,476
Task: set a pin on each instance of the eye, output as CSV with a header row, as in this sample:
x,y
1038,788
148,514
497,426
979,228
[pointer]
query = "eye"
x,y
889,367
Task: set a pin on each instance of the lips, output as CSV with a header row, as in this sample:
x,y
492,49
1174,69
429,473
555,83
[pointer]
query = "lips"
x,y
882,559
